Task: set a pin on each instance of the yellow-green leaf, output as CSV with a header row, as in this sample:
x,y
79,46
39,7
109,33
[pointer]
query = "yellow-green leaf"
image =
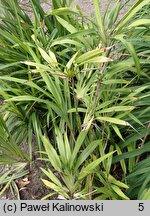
x,y
119,192
90,167
113,120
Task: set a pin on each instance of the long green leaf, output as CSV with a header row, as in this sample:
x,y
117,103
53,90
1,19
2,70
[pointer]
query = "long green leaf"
x,y
86,152
132,51
90,168
59,190
100,21
52,154
78,144
119,192
51,176
113,120
134,9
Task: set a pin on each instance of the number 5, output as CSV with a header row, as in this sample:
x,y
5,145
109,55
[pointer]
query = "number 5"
x,y
141,206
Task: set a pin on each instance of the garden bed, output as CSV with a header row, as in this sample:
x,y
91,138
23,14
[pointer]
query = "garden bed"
x,y
74,101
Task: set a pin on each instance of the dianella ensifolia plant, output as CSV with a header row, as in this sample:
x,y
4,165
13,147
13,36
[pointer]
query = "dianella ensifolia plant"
x,y
69,174
78,89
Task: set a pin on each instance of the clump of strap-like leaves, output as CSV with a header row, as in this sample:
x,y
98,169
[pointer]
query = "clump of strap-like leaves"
x,y
79,88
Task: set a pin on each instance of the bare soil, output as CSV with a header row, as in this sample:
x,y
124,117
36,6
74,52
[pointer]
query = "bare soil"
x,y
87,6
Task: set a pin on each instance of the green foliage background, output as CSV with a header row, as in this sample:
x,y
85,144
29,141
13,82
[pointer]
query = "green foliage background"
x,y
76,89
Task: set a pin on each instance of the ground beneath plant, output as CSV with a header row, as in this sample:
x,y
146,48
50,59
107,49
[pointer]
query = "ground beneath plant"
x,y
30,187
87,6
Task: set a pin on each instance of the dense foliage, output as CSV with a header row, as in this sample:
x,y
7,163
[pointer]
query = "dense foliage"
x,y
75,92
